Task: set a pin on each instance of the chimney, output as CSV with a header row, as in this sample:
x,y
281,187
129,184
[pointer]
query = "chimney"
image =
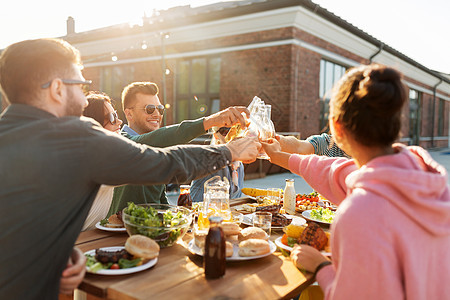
x,y
70,25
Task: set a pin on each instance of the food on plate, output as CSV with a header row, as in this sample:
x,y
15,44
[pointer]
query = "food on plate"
x,y
279,220
253,247
254,192
230,228
105,257
263,206
229,249
322,214
142,246
249,207
293,230
269,208
312,197
137,249
114,221
314,236
199,238
307,201
252,233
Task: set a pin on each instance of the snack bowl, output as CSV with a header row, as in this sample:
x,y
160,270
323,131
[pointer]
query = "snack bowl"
x,y
164,223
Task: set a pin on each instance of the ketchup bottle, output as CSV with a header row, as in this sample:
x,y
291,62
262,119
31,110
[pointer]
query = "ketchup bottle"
x,y
214,255
185,196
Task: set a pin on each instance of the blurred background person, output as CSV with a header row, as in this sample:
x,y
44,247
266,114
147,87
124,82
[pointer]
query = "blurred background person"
x,y
100,109
321,144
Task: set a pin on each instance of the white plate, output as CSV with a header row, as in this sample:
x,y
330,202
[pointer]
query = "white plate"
x,y
117,229
287,248
307,215
194,249
248,220
142,267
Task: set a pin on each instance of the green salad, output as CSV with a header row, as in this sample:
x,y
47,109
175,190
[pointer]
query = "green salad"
x,y
94,266
163,227
322,214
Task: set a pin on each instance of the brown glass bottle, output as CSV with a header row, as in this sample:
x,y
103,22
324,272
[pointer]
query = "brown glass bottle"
x,y
185,196
214,260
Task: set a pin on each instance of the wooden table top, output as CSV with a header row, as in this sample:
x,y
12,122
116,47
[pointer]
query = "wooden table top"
x,y
178,272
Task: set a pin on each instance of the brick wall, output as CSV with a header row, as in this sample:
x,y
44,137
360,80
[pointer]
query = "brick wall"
x,y
287,77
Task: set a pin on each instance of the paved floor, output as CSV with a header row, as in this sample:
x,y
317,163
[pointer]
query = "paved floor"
x,y
278,180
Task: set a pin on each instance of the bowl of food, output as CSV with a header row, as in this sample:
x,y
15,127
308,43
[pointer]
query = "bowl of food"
x,y
164,223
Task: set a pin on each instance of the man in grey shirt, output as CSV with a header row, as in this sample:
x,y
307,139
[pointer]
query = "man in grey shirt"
x,y
52,163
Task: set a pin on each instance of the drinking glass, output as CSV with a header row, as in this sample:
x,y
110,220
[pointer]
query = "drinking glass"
x,y
274,195
263,220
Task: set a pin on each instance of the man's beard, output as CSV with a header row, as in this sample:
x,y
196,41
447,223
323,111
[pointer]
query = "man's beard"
x,y
73,107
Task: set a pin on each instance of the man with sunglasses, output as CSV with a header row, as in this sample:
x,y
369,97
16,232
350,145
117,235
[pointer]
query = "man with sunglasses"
x,y
144,113
53,162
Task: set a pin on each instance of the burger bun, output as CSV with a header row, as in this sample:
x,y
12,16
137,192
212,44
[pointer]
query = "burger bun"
x,y
253,247
142,246
252,233
229,249
230,228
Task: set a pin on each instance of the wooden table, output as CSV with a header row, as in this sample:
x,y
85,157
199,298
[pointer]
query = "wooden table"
x,y
179,274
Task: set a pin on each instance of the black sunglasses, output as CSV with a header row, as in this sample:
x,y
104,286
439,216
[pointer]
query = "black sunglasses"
x,y
68,81
112,117
149,109
223,130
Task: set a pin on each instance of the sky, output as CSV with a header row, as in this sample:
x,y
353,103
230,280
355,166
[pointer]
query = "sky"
x,y
419,29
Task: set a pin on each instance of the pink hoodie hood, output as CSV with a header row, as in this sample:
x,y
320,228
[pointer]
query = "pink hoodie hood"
x,y
413,182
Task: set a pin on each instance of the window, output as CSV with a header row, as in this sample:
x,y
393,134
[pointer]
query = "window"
x,y
414,117
441,118
198,87
330,73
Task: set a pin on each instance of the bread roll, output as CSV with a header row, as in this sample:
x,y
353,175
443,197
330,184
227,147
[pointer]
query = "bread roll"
x,y
199,239
252,233
229,249
253,247
230,228
142,246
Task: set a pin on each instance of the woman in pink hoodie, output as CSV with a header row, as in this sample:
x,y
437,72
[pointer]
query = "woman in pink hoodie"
x,y
391,234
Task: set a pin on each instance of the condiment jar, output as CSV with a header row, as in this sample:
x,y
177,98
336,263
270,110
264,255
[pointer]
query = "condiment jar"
x,y
214,259
289,197
185,196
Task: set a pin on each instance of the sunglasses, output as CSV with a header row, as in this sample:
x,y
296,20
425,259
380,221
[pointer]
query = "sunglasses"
x,y
112,117
224,130
68,81
149,109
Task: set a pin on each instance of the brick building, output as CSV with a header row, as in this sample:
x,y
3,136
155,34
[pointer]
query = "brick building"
x,y
287,52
